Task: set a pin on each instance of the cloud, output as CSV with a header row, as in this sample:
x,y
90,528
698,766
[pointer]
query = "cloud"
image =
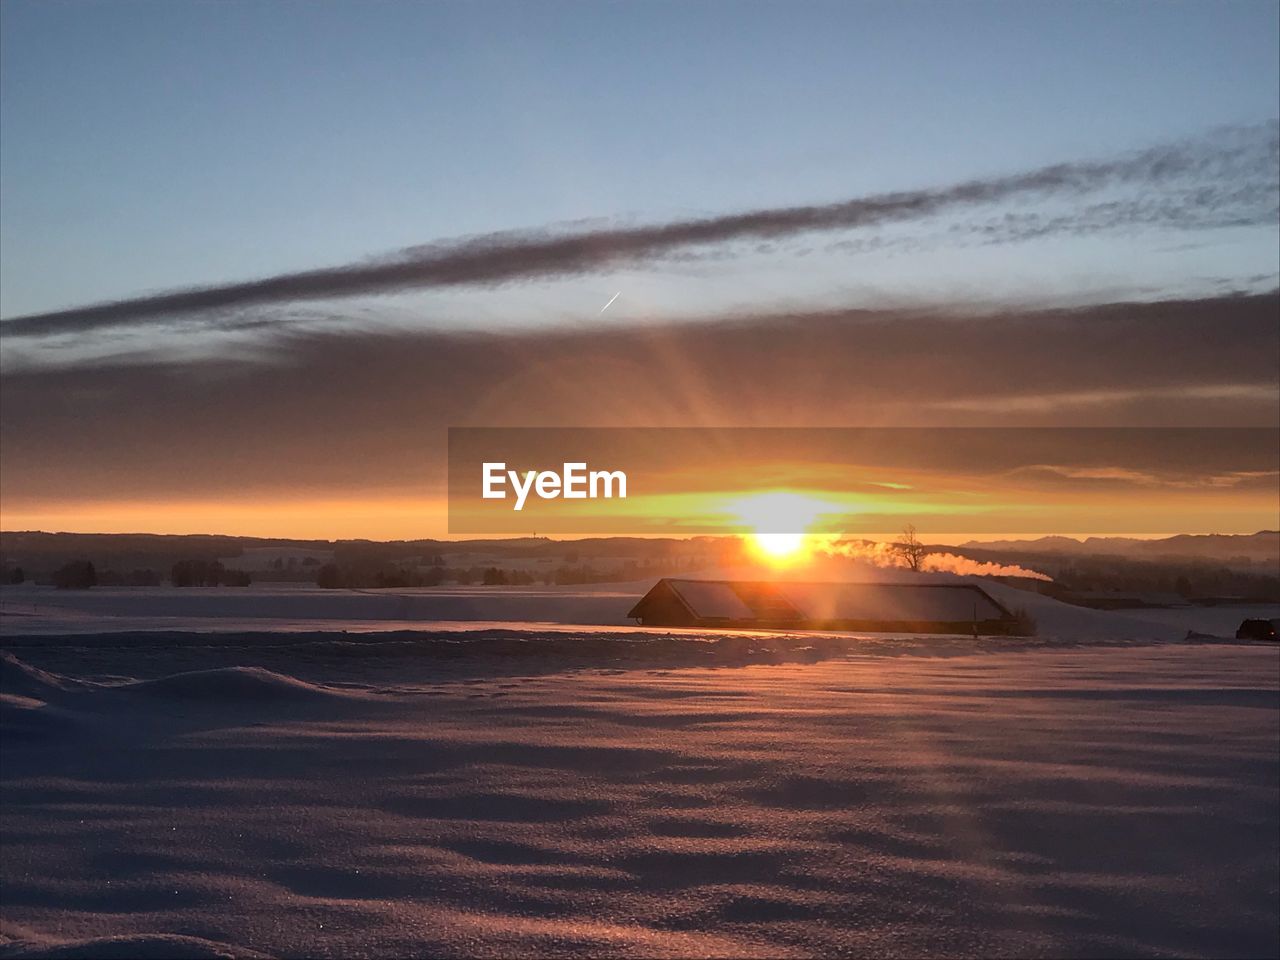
x,y
1224,178
1242,478
1183,479
1118,474
367,412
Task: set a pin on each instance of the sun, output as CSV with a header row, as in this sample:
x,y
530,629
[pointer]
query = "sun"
x,y
780,522
779,546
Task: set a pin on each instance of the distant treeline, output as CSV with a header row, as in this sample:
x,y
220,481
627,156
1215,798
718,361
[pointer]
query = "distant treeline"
x,y
1196,579
1188,580
366,567
40,554
83,574
201,573
367,576
37,555
333,577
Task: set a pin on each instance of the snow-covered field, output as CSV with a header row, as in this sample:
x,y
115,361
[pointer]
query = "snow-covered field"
x,y
508,789
30,609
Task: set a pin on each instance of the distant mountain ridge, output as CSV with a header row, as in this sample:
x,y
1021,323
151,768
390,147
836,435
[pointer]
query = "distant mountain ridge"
x,y
1263,545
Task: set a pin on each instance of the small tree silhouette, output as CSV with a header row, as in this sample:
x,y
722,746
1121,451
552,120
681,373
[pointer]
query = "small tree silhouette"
x,y
76,575
329,577
910,549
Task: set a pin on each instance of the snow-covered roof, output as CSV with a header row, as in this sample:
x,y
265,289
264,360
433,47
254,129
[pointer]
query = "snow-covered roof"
x,y
739,600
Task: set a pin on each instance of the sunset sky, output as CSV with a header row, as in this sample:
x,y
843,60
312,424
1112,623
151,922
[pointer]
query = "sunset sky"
x,y
878,214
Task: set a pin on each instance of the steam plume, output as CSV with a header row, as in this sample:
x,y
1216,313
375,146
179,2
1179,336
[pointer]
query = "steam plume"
x,y
883,555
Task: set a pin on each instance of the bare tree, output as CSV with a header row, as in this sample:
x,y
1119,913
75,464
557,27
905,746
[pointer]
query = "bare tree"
x,y
910,549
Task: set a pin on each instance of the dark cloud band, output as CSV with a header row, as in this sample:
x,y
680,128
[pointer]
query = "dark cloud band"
x,y
368,411
1243,158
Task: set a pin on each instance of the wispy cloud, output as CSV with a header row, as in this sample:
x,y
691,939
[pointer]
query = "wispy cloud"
x,y
1121,474
1227,177
1143,478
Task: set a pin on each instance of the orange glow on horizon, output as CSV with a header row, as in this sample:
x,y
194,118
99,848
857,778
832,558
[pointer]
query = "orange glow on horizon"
x,y
393,518
781,525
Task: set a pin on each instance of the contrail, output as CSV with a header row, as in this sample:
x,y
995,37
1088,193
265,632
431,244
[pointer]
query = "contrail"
x,y
1239,155
610,303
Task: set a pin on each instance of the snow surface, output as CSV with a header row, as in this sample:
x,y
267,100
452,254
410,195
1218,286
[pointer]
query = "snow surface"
x,y
285,771
1068,800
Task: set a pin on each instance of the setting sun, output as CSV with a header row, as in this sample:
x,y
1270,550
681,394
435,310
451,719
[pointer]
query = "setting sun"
x,y
780,521
778,546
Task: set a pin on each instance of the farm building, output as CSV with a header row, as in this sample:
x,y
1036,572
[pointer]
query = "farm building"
x,y
919,608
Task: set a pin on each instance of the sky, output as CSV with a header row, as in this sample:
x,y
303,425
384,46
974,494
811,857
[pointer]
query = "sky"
x,y
158,145
406,177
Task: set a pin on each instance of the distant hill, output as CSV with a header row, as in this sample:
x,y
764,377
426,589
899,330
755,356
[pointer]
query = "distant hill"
x,y
39,553
1223,548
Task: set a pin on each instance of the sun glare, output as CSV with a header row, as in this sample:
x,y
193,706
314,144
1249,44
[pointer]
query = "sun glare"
x,y
778,545
780,522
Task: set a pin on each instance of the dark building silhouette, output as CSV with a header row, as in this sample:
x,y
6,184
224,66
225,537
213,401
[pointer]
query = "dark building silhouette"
x,y
918,608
